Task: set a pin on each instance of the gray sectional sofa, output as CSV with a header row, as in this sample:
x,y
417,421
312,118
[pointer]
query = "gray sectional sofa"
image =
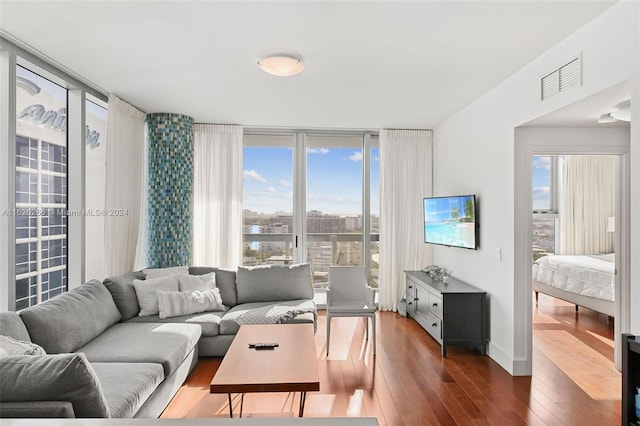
x,y
104,360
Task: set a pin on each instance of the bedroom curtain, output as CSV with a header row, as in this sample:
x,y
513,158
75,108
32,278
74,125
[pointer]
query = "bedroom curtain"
x,y
123,190
217,195
405,179
589,185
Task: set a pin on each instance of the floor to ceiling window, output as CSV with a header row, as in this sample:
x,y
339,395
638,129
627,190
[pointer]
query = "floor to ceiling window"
x,y
268,199
311,197
545,205
52,200
41,189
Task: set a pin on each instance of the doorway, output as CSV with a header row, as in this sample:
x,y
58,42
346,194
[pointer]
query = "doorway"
x,y
573,271
530,141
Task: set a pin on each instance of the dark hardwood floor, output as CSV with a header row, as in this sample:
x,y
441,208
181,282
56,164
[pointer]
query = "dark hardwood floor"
x,y
409,383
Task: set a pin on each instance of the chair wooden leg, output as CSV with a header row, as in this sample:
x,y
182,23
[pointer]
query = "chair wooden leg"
x,y
373,330
328,332
366,328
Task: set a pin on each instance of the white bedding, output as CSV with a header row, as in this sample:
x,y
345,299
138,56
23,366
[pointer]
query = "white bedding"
x,y
591,276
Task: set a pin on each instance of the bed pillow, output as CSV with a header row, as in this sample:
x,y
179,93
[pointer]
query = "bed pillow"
x,y
165,272
197,282
10,346
146,293
178,303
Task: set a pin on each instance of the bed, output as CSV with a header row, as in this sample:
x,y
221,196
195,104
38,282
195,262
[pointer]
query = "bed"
x,y
584,280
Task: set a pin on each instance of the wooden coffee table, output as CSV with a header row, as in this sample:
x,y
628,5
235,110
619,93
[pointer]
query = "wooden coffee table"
x,y
290,367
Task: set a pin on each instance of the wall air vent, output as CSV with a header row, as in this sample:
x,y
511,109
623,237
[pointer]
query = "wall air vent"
x,y
561,79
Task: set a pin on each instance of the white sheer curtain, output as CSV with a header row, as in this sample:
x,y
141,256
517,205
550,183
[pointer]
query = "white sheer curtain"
x,y
405,179
589,185
217,195
125,165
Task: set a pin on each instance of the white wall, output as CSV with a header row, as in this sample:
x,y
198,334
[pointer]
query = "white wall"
x,y
474,153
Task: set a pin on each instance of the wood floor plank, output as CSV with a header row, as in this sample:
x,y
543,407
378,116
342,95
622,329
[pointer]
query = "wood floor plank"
x,y
408,382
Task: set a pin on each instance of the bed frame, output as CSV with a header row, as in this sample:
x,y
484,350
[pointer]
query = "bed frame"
x,y
603,306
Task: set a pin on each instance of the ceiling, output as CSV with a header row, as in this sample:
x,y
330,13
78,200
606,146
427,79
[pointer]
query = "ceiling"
x,y
585,112
368,65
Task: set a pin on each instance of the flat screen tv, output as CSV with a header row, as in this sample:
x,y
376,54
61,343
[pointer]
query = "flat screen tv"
x,y
451,221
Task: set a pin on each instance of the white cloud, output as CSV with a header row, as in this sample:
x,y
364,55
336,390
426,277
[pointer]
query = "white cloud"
x,y
542,163
357,156
541,197
317,151
284,183
270,189
253,175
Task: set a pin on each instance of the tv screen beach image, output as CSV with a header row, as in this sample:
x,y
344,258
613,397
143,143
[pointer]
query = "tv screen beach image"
x,y
450,221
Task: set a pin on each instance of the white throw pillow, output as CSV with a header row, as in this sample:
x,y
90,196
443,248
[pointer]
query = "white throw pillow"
x,y
177,303
165,272
146,292
10,346
197,282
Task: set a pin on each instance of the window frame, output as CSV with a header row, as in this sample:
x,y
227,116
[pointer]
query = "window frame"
x,y
553,212
299,237
14,53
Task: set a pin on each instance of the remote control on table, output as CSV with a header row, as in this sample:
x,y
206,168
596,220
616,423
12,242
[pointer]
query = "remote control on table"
x,y
262,346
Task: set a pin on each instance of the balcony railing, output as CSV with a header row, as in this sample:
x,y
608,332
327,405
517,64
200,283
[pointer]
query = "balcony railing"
x,y
323,250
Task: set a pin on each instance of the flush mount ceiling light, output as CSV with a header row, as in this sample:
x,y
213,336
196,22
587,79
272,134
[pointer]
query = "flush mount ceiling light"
x,y
622,111
281,65
606,118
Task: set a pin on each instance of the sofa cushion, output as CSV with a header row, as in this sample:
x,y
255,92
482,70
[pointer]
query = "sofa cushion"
x,y
167,344
68,321
146,292
178,303
10,346
37,409
152,273
11,325
126,386
230,321
208,321
225,281
124,294
197,282
274,283
62,377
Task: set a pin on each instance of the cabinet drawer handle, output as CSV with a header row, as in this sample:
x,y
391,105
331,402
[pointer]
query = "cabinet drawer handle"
x,y
435,304
435,324
410,303
410,286
415,299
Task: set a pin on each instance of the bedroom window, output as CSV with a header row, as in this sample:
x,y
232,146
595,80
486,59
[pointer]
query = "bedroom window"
x,y
545,205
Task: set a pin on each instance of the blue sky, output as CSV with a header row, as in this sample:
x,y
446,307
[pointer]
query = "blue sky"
x,y
541,182
439,209
334,180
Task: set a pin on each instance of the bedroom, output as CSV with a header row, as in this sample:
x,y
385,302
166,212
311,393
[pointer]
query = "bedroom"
x,y
576,197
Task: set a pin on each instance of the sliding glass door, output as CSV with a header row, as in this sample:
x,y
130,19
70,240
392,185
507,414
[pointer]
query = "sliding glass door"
x,y
311,197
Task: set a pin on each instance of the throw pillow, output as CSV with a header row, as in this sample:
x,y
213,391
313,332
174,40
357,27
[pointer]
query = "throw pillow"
x,y
146,293
63,377
10,346
165,272
178,303
197,282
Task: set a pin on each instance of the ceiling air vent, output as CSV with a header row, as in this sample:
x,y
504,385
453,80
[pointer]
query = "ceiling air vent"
x,y
559,80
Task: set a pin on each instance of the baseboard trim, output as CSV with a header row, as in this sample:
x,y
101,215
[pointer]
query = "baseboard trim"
x,y
515,367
